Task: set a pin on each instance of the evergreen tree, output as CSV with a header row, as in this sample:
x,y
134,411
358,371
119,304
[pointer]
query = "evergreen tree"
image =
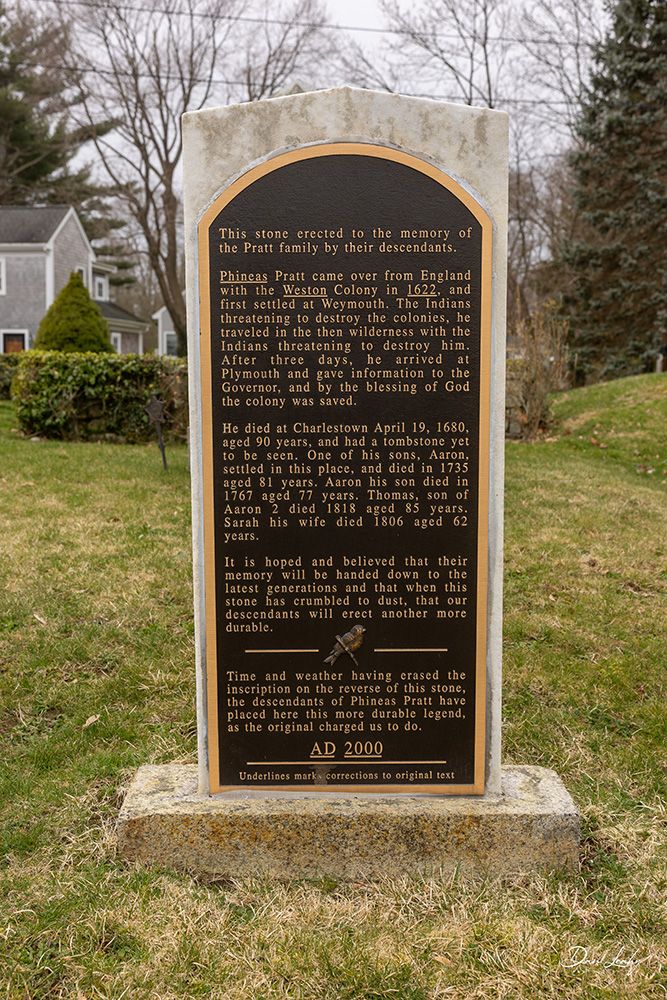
x,y
39,139
617,303
33,141
74,322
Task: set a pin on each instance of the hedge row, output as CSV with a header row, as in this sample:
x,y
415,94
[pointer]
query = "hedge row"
x,y
98,396
8,365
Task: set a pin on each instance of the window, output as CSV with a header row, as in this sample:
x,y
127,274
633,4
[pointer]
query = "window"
x,y
3,276
82,272
171,343
100,288
116,342
13,341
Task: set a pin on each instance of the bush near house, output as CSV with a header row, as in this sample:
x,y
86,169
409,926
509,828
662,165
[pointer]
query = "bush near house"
x,y
8,365
92,396
73,322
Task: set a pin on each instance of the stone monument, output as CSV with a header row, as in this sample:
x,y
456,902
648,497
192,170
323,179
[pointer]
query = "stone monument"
x,y
346,276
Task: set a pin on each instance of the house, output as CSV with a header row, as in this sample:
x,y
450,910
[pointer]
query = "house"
x,y
39,249
167,340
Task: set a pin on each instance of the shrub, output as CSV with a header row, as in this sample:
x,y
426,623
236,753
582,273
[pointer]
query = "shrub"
x,y
92,396
73,322
538,369
8,366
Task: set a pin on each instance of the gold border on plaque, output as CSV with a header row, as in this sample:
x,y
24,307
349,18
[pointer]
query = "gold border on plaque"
x,y
211,665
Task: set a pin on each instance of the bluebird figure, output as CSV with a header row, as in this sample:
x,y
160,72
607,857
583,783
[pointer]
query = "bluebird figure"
x,y
347,643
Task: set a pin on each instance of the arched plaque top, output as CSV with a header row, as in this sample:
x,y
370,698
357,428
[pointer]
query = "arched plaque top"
x,y
389,153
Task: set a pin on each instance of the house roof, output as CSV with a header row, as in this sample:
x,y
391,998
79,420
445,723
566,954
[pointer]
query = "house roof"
x,y
27,224
111,311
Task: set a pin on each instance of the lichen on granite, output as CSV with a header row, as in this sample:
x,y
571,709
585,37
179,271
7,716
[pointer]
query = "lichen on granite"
x,y
533,825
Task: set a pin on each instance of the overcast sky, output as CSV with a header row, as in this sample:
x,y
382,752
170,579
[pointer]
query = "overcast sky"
x,y
363,12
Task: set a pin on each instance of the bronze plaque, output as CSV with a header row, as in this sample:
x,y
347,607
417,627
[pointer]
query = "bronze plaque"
x,y
345,299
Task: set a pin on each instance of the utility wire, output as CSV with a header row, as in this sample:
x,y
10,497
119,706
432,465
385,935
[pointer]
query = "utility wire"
x,y
101,71
111,7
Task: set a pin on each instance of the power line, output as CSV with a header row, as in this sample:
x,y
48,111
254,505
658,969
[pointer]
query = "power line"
x,y
101,71
246,19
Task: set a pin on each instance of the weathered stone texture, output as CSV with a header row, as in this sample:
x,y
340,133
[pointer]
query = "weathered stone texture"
x,y
532,826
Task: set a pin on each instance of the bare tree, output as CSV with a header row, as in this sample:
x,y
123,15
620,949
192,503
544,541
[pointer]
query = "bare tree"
x,y
457,44
557,38
285,44
143,65
351,63
556,41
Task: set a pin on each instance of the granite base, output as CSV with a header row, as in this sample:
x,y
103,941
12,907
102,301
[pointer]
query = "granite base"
x,y
533,825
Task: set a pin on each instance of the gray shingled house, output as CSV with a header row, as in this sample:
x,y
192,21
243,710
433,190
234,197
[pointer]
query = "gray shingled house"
x,y
39,249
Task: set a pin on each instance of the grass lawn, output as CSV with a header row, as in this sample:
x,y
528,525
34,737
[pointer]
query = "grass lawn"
x,y
97,677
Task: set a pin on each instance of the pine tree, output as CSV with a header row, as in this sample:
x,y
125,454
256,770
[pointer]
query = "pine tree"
x,y
33,140
617,303
73,322
40,142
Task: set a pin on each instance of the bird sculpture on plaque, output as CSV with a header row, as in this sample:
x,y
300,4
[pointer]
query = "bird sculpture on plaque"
x,y
348,643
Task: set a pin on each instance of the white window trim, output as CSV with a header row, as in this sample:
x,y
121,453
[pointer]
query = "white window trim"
x,y
3,275
116,341
104,295
26,338
50,276
165,334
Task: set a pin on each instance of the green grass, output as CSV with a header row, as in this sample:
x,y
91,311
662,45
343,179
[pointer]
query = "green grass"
x,y
97,677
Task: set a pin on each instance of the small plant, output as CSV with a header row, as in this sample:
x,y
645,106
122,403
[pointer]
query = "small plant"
x,y
538,368
73,322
